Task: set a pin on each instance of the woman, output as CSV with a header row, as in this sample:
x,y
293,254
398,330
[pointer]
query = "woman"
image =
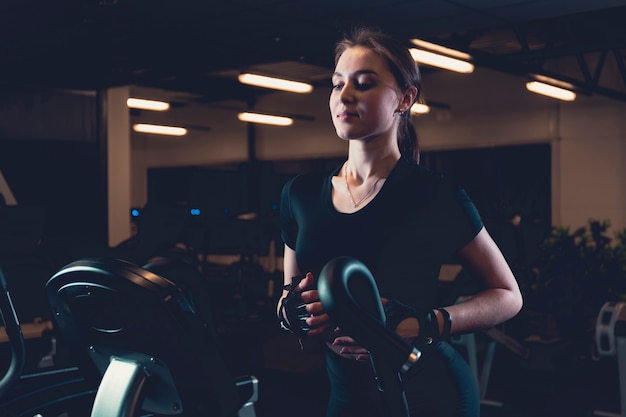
x,y
402,221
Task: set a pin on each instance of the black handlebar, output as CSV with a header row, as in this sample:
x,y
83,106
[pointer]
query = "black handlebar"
x,y
16,339
349,294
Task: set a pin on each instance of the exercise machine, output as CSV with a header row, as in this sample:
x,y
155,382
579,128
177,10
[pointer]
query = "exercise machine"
x,y
138,334
14,338
350,296
610,341
50,392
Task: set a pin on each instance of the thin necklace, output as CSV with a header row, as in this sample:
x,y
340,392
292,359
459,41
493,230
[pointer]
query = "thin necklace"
x,y
370,191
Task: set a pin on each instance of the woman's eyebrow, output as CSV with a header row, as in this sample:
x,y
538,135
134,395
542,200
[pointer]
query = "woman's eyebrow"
x,y
356,73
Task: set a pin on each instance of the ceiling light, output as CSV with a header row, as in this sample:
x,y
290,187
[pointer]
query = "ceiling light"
x,y
275,83
265,119
143,104
419,108
550,90
441,49
441,61
159,130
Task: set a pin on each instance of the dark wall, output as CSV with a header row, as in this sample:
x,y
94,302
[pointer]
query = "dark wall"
x,y
502,181
63,177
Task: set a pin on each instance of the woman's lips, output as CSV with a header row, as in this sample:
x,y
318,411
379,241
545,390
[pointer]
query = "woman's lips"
x,y
345,115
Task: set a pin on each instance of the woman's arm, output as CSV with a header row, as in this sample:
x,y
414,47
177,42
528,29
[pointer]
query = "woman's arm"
x,y
499,301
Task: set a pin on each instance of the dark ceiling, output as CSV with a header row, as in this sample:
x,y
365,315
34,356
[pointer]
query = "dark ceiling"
x,y
200,45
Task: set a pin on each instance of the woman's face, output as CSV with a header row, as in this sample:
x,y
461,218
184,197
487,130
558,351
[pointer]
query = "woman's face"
x,y
365,96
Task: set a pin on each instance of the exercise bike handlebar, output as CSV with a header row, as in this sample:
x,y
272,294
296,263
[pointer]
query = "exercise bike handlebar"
x,y
14,334
349,294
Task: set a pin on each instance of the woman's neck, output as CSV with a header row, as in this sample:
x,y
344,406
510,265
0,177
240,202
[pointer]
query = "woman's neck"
x,y
365,162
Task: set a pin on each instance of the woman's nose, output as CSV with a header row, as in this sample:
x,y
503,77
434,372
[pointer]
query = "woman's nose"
x,y
347,93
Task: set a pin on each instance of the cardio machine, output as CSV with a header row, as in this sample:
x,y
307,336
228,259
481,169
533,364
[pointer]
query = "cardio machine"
x,y
52,392
350,296
139,334
610,341
14,337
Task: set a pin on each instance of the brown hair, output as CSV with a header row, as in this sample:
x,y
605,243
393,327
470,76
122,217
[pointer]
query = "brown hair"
x,y
404,70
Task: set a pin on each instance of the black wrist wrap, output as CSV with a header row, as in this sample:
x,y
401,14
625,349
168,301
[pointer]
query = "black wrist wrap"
x,y
395,312
292,312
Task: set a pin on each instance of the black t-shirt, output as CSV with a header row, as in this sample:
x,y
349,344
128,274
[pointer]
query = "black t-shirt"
x,y
416,221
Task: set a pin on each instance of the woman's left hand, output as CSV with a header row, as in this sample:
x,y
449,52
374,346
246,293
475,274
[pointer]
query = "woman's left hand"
x,y
348,347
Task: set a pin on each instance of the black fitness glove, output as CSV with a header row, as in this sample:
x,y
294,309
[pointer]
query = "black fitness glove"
x,y
395,312
292,312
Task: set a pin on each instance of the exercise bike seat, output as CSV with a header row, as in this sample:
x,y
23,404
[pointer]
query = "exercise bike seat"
x,y
138,333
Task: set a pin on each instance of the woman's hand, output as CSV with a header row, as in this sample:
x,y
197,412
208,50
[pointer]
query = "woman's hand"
x,y
318,320
348,347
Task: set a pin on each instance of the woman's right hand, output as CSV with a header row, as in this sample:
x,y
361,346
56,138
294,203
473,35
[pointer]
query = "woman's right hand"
x,y
318,320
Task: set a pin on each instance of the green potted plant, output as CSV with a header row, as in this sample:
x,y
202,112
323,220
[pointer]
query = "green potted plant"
x,y
576,273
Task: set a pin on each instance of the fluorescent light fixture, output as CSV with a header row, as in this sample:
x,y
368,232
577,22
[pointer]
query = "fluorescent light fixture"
x,y
275,83
419,108
159,130
264,119
143,104
441,49
550,90
441,61
552,81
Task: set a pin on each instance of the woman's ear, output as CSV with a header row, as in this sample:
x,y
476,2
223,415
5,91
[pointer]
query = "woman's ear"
x,y
407,99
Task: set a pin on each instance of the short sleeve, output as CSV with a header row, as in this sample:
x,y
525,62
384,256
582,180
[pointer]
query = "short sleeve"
x,y
462,220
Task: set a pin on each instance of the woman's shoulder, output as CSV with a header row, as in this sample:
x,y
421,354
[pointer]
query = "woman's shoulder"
x,y
420,175
308,183
428,183
307,179
447,197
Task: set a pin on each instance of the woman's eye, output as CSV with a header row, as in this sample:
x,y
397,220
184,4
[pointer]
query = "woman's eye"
x,y
356,85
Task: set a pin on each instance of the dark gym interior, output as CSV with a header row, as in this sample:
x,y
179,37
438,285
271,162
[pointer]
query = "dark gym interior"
x,y
213,232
